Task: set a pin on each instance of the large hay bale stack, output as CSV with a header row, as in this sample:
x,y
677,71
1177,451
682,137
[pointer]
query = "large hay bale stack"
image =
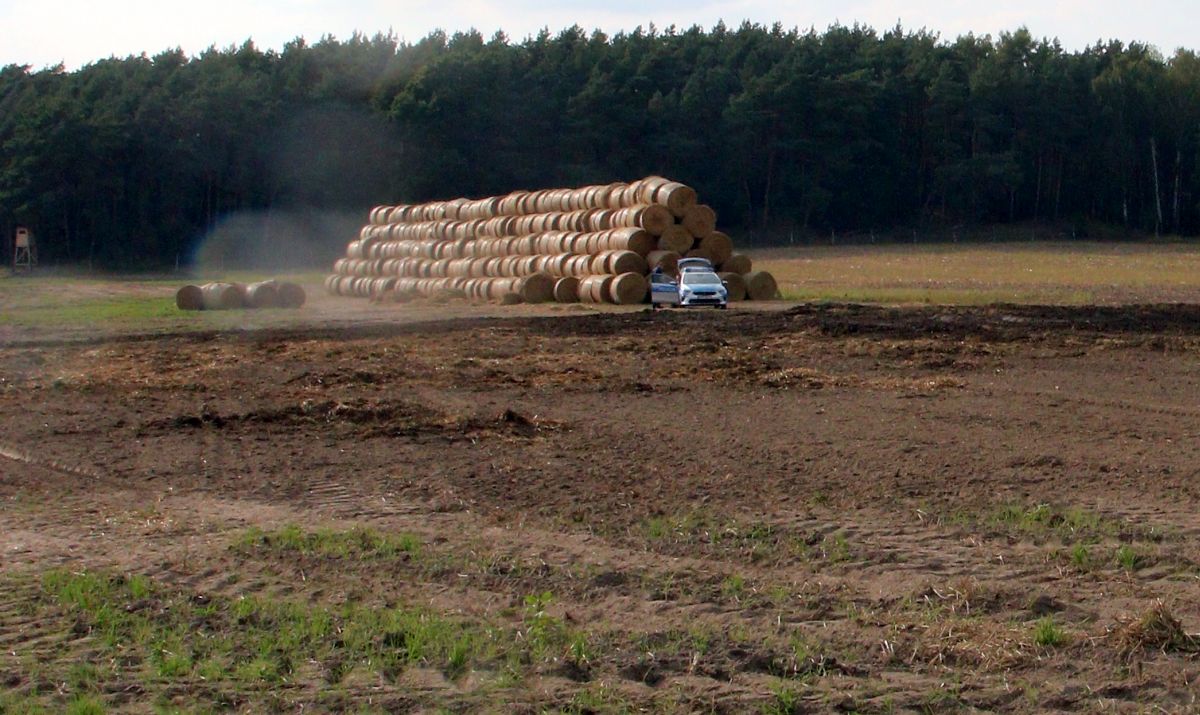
x,y
592,243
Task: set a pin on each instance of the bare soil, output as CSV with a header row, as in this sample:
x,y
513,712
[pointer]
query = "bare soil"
x,y
824,508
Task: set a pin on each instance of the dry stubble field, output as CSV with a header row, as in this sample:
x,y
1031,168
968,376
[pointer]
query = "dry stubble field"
x,y
813,508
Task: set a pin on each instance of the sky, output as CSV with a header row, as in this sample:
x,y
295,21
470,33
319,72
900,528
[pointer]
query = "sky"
x,y
44,33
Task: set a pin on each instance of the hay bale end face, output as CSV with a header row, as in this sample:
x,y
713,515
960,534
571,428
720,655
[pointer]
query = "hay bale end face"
x,y
735,284
761,285
718,245
566,290
262,295
189,298
537,288
737,263
628,289
676,238
221,296
290,295
700,221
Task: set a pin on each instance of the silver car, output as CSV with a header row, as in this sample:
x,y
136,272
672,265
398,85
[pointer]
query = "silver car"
x,y
700,286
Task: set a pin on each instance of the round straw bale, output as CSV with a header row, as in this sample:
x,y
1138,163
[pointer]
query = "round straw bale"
x,y
675,238
761,285
700,220
627,262
290,295
511,298
586,292
637,240
628,289
700,253
605,289
737,263
647,187
192,298
537,288
221,296
735,284
264,294
655,219
719,245
566,290
675,196
668,261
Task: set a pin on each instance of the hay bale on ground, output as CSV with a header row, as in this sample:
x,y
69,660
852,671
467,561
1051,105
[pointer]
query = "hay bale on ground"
x,y
264,294
537,288
566,290
290,295
761,285
628,289
189,298
221,296
735,284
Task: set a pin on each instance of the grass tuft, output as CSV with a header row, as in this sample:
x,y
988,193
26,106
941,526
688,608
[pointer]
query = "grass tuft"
x,y
1048,634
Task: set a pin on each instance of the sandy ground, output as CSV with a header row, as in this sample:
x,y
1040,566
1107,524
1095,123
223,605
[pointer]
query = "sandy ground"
x,y
908,493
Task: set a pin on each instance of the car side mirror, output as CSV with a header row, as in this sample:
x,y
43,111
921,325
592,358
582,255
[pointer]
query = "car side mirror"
x,y
725,283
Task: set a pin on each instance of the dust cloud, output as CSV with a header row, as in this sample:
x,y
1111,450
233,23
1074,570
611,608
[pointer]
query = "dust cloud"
x,y
276,241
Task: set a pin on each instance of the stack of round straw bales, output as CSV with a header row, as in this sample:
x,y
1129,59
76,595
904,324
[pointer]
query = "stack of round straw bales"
x,y
595,244
231,296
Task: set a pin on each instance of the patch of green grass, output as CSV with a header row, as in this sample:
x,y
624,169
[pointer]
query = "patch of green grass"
x,y
86,705
1045,521
838,548
548,636
121,310
1127,558
15,704
733,587
755,541
359,543
1081,557
785,700
157,637
599,698
1048,634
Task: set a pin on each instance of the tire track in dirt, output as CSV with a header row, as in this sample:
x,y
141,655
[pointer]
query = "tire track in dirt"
x,y
17,455
1098,402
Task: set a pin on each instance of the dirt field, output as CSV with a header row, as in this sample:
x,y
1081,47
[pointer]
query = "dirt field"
x,y
811,509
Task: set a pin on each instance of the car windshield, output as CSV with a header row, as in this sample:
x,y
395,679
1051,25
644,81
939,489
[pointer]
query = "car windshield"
x,y
701,279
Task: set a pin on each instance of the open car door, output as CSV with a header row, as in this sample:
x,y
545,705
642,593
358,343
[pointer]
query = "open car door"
x,y
663,290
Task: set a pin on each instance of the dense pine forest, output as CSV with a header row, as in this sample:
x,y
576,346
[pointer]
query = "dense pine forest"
x,y
128,163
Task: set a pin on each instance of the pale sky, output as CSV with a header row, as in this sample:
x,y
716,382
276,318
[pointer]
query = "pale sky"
x,y
77,32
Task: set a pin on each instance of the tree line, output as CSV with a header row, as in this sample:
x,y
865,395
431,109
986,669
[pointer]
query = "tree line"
x,y
129,162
